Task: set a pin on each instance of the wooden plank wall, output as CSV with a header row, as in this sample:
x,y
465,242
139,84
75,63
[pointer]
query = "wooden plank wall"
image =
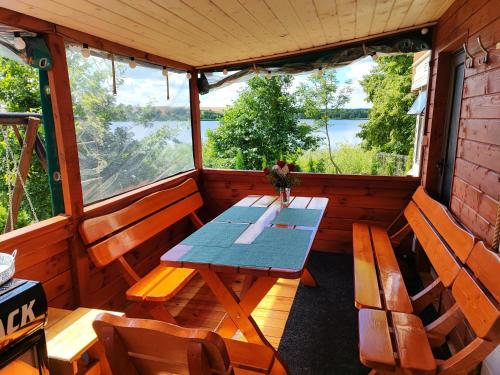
x,y
43,254
476,183
47,252
369,199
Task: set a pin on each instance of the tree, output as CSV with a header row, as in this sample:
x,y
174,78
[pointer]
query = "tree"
x,y
19,92
263,123
388,87
320,97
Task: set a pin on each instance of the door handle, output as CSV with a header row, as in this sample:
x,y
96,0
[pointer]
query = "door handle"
x,y
440,166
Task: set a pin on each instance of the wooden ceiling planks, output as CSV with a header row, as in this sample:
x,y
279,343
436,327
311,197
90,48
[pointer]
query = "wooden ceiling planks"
x,y
208,32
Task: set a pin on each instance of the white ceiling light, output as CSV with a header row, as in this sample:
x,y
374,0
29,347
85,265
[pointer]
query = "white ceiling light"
x,y
19,42
85,51
132,63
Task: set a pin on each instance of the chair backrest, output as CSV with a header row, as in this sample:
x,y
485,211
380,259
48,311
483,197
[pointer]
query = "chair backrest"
x,y
458,239
139,346
446,244
441,258
486,266
476,302
110,236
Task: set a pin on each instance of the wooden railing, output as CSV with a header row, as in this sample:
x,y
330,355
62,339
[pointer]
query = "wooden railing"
x,y
369,199
43,254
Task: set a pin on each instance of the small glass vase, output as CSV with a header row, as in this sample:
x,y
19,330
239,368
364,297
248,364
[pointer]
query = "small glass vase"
x,y
284,196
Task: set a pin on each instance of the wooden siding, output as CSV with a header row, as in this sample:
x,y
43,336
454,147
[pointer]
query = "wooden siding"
x,y
43,255
203,32
368,199
476,183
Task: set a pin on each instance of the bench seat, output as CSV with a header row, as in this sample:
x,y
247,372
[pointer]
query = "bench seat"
x,y
160,284
379,283
409,340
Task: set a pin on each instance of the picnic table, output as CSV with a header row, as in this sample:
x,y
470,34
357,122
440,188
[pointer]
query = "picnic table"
x,y
260,239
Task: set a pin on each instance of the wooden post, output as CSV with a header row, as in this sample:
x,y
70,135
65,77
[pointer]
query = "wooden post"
x,y
195,119
65,127
24,166
68,160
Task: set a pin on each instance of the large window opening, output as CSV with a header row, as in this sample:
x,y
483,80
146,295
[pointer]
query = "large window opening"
x,y
348,119
25,159
132,130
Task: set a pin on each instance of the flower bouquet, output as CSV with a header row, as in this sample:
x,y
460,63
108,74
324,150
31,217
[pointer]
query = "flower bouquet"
x,y
280,177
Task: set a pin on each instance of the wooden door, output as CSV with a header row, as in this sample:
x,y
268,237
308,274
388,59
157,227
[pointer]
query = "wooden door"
x,y
447,163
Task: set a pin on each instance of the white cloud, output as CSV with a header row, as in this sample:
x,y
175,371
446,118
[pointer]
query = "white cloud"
x,y
152,88
142,86
222,97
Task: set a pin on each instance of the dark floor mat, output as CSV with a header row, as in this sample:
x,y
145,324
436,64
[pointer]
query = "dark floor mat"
x,y
321,335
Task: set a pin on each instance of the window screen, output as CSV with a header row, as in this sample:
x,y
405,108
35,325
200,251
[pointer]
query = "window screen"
x,y
136,137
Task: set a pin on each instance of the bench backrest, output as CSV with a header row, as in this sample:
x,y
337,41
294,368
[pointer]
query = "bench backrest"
x,y
476,293
139,346
111,236
446,244
459,240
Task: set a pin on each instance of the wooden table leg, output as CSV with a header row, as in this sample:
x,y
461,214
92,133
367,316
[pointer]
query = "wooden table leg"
x,y
248,303
308,279
240,316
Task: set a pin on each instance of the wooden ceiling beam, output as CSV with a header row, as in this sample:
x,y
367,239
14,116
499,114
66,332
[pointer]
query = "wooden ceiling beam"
x,y
22,21
29,23
116,48
322,48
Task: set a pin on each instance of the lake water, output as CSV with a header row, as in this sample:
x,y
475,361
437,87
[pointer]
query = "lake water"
x,y
340,131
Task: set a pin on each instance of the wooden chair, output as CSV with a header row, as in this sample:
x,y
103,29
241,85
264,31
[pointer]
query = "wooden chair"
x,y
379,283
139,346
393,342
109,237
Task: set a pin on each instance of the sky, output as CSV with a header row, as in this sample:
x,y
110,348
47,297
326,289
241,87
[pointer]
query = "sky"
x,y
142,86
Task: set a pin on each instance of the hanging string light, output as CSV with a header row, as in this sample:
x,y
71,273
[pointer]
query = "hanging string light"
x,y
224,72
165,74
113,71
85,51
268,75
255,70
320,71
188,75
132,63
19,42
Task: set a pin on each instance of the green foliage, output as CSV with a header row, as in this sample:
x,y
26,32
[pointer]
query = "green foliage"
x,y
210,115
388,87
18,87
19,92
320,97
353,159
262,123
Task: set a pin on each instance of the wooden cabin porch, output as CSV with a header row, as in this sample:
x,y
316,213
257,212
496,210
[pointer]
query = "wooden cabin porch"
x,y
310,329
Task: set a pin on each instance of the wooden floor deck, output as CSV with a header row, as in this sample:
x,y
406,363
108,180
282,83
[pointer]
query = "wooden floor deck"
x,y
196,306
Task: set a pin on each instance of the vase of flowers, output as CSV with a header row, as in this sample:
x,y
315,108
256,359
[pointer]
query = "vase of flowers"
x,y
280,177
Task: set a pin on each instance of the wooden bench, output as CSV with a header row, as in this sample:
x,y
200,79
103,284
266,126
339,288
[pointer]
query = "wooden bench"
x,y
109,237
379,283
395,342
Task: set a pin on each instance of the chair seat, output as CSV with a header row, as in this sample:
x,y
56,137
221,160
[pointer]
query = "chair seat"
x,y
160,284
248,356
376,345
